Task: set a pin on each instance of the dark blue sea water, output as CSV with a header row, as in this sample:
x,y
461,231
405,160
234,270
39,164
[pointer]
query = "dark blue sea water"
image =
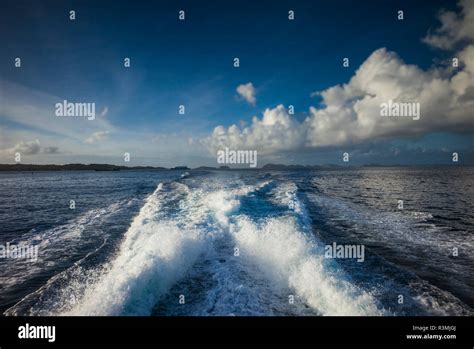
x,y
239,243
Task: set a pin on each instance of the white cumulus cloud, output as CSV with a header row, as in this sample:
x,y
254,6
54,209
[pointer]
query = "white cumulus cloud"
x,y
247,92
277,130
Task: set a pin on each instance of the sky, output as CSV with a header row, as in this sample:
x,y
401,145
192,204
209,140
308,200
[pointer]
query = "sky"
x,y
282,63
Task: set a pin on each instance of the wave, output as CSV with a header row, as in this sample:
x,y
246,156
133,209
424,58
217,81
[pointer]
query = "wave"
x,y
286,251
291,257
52,244
402,241
154,254
173,228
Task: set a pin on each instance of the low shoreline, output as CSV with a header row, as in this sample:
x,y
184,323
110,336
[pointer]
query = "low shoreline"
x,y
268,167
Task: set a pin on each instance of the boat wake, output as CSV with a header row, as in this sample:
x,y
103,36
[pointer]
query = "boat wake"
x,y
203,248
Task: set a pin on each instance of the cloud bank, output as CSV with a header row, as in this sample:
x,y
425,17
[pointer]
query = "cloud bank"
x,y
29,148
350,112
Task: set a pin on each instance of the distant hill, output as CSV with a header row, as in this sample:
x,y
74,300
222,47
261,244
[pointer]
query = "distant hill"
x,y
74,167
205,168
281,167
184,168
220,168
277,167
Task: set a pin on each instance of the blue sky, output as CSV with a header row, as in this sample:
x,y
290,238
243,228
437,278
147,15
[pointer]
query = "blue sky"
x,y
191,63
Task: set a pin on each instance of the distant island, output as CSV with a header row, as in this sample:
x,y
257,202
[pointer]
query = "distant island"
x,y
108,167
74,167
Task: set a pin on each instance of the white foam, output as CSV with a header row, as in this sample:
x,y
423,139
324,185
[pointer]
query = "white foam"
x,y
291,259
287,194
152,257
223,203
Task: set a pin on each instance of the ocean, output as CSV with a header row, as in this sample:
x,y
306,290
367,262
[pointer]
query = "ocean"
x,y
160,243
